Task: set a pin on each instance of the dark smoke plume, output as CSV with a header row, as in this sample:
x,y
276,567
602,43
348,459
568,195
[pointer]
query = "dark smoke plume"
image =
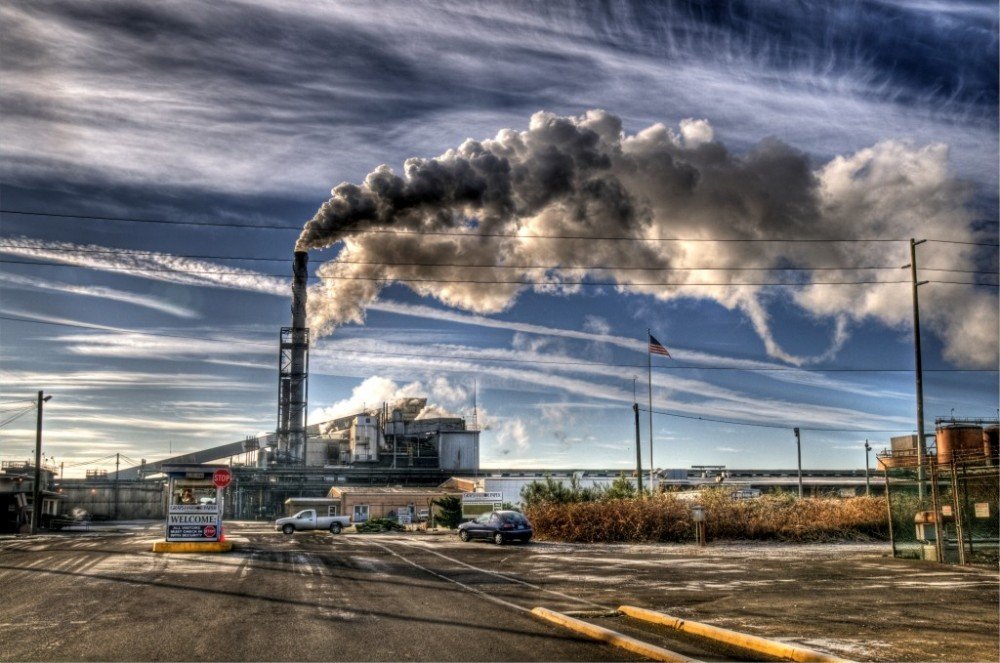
x,y
580,179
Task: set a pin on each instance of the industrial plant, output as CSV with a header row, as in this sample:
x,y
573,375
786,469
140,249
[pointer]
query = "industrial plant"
x,y
396,456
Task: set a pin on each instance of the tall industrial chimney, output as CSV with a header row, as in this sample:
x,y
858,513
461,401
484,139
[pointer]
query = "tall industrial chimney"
x,y
293,371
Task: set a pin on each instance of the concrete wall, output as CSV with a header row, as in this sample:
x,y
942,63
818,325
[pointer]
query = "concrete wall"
x,y
136,499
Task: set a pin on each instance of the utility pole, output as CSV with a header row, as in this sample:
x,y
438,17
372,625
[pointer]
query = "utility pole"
x,y
868,485
798,447
649,368
117,462
918,366
638,443
36,488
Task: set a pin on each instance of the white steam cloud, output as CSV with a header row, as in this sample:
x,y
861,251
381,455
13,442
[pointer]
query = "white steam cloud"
x,y
501,202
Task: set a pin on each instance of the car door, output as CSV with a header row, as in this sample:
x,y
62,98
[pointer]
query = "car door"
x,y
480,527
493,526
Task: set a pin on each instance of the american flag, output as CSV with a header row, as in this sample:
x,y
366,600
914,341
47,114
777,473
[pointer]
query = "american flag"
x,y
656,348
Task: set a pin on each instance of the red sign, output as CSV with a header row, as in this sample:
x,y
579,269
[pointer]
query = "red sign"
x,y
222,477
209,531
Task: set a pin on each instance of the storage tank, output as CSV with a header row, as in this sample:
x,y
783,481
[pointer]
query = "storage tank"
x,y
991,441
959,441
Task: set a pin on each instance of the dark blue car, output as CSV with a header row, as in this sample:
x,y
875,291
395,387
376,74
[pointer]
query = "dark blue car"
x,y
498,527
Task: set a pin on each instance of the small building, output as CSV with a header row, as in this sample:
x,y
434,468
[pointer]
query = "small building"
x,y
17,481
393,502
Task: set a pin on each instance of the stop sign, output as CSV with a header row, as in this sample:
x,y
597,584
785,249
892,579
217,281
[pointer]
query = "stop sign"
x,y
209,531
222,477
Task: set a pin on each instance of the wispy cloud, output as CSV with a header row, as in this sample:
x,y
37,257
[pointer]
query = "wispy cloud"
x,y
111,294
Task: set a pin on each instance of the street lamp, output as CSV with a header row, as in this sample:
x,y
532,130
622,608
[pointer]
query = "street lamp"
x,y
36,496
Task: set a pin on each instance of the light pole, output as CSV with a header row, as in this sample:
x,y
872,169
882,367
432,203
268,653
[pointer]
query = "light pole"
x,y
798,447
918,365
36,488
868,485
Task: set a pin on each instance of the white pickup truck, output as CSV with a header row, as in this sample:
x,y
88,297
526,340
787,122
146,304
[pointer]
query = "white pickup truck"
x,y
307,519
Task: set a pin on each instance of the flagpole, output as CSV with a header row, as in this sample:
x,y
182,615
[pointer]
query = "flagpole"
x,y
649,368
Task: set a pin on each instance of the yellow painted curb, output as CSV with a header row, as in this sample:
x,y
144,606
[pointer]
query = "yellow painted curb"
x,y
611,637
192,546
733,638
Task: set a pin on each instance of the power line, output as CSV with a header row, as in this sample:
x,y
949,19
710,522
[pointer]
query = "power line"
x,y
778,426
953,241
17,415
90,462
406,279
132,252
380,353
515,235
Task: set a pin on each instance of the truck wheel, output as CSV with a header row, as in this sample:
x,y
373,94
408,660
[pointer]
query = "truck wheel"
x,y
335,528
498,539
464,535
288,529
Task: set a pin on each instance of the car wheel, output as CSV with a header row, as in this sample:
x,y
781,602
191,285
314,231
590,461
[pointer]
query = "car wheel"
x,y
335,528
288,529
464,535
498,539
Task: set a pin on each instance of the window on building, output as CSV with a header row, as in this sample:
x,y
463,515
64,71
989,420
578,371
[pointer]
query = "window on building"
x,y
360,513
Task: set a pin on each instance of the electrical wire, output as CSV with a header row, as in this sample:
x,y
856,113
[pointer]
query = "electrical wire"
x,y
216,224
137,253
17,416
593,284
14,405
89,462
778,426
381,353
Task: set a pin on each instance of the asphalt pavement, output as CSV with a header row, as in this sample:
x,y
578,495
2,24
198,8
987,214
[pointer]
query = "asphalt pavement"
x,y
102,594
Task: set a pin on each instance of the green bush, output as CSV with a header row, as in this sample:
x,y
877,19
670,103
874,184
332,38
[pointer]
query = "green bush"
x,y
550,491
450,514
379,525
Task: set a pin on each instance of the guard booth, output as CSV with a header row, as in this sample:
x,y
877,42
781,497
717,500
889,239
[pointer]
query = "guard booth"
x,y
194,509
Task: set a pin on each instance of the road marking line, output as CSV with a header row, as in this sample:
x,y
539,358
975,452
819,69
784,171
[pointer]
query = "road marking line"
x,y
612,637
733,638
451,580
500,575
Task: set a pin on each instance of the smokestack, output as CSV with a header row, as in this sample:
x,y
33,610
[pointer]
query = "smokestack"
x,y
293,363
300,274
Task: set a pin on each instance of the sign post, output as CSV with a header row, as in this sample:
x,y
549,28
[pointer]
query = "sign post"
x,y
475,504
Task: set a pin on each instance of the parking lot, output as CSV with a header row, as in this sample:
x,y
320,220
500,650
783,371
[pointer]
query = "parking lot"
x,y
102,594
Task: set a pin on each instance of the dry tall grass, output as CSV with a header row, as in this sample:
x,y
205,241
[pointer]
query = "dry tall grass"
x,y
668,518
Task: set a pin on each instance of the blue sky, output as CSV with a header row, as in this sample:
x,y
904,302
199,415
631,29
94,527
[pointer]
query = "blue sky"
x,y
577,166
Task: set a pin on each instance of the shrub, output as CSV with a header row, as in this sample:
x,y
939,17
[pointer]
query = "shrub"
x,y
666,517
550,491
451,510
379,525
